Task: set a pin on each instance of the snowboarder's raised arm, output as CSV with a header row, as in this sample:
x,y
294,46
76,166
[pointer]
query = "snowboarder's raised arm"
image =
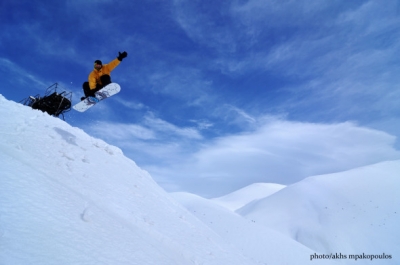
x,y
111,65
114,63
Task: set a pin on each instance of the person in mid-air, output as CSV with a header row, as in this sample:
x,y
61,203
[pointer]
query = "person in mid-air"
x,y
100,76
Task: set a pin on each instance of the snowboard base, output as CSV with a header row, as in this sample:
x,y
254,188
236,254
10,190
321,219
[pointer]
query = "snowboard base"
x,y
106,92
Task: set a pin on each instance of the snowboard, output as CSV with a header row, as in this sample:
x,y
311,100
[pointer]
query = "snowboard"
x,y
106,92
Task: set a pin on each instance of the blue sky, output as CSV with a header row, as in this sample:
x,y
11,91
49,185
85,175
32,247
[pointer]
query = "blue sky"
x,y
217,95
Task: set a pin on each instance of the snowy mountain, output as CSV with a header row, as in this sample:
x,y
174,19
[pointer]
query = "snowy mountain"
x,y
260,243
69,198
350,217
357,211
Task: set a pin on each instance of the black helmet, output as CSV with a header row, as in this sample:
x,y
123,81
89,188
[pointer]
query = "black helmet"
x,y
98,62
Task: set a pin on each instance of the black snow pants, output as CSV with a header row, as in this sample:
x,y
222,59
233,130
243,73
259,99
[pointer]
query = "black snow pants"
x,y
105,80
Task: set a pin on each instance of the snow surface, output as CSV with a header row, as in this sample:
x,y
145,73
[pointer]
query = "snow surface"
x,y
68,198
357,211
256,241
246,195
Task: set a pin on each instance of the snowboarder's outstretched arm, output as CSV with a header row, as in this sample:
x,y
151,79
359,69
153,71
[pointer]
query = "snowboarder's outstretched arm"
x,y
107,68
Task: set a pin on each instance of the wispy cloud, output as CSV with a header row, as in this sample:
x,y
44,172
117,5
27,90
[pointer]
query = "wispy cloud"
x,y
131,104
210,27
235,116
122,132
182,83
149,128
202,124
281,152
164,127
24,77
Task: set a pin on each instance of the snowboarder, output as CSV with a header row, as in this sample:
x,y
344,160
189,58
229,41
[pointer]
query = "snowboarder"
x,y
100,76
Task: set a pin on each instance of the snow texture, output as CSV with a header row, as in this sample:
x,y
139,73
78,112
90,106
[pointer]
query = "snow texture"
x,y
69,198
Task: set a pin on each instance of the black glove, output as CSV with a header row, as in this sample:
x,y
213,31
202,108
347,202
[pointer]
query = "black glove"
x,y
121,55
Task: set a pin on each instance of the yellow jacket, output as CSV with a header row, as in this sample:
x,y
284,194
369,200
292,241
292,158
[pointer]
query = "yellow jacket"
x,y
94,76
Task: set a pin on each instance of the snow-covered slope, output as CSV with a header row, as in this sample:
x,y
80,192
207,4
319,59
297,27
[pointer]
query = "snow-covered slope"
x,y
345,218
352,212
243,196
68,198
264,245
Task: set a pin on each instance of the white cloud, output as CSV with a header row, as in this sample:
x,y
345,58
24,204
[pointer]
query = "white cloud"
x,y
121,132
164,127
183,83
206,27
150,129
278,151
24,76
240,115
131,104
202,124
